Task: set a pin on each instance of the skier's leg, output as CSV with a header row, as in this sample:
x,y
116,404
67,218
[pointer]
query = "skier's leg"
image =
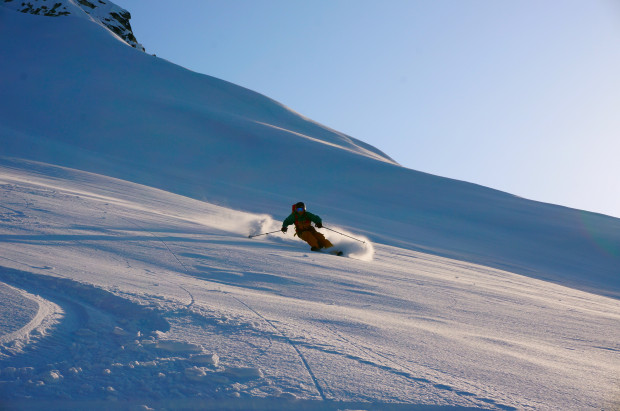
x,y
309,238
323,242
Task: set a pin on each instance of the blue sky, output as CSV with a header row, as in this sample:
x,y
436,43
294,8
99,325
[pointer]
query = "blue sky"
x,y
519,96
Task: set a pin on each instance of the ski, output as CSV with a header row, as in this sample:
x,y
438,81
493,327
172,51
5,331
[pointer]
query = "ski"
x,y
327,251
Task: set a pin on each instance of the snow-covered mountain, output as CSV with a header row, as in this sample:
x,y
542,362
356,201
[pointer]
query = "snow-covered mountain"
x,y
112,110
102,12
129,186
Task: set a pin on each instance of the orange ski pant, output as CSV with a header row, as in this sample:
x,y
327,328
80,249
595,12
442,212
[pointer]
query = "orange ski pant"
x,y
314,238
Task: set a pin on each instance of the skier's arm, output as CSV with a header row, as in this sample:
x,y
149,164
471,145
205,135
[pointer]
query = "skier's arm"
x,y
315,219
288,221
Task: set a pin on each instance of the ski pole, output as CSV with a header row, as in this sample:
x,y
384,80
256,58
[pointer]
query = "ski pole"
x,y
256,235
344,235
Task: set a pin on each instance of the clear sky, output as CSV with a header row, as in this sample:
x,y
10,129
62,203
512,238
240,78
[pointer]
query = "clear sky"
x,y
522,96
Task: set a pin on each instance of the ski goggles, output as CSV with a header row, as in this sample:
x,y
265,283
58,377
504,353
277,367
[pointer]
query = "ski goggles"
x,y
300,209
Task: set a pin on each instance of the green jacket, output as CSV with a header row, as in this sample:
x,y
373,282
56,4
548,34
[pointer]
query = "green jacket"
x,y
303,220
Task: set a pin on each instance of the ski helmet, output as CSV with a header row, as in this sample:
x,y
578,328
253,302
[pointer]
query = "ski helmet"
x,y
298,206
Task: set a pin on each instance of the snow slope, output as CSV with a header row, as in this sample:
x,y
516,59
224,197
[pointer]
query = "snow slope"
x,y
116,111
132,282
165,302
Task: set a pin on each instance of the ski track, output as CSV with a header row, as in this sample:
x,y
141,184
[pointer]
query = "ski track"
x,y
399,369
267,321
103,327
110,335
292,344
192,300
47,315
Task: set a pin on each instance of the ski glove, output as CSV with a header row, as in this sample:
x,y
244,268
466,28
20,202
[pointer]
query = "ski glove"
x,y
319,225
284,229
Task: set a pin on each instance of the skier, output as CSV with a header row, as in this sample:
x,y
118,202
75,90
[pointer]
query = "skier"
x,y
303,227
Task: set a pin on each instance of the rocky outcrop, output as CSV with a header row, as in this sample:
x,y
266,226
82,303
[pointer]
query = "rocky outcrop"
x,y
103,12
